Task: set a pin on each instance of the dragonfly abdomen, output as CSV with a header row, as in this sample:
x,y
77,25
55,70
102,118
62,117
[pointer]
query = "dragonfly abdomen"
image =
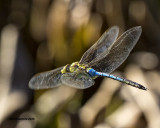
x,y
134,84
94,73
129,82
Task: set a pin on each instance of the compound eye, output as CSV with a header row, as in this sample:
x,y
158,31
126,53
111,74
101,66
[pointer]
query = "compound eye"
x,y
76,66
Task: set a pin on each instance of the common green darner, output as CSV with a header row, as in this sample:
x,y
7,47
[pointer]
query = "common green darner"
x,y
98,61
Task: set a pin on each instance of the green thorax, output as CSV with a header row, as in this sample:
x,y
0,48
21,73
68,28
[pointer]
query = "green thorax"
x,y
74,67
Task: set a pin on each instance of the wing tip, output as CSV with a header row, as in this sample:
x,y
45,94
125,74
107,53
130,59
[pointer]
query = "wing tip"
x,y
136,31
137,28
30,84
114,28
33,83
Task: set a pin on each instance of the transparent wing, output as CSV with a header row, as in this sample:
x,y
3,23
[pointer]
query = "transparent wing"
x,y
101,48
80,80
44,80
119,51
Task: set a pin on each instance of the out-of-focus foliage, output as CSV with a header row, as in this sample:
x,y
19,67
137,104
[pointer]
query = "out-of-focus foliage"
x,y
40,35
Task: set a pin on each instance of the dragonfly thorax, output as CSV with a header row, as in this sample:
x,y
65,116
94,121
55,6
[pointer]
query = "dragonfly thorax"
x,y
74,67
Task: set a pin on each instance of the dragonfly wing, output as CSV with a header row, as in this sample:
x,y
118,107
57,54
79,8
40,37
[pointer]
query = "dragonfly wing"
x,y
44,80
77,80
119,51
101,47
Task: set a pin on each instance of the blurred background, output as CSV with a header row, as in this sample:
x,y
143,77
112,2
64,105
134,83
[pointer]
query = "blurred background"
x,y
40,35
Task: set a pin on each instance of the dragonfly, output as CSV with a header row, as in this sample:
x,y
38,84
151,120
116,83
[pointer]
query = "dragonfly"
x,y
107,54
